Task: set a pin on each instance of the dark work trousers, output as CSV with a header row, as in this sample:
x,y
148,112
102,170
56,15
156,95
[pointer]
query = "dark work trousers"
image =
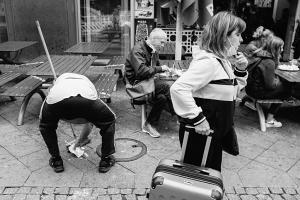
x,y
94,111
161,101
219,115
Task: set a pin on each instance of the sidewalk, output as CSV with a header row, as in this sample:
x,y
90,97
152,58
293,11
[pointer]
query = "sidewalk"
x,y
268,166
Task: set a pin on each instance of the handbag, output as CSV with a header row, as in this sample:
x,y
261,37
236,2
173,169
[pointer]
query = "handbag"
x,y
141,88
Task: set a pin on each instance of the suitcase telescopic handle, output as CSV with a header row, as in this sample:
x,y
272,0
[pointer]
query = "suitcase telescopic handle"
x,y
206,149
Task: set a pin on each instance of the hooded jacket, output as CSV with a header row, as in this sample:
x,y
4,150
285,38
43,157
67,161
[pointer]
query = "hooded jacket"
x,y
209,77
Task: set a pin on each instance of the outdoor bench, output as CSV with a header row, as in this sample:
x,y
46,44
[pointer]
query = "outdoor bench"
x,y
105,84
258,106
117,63
25,88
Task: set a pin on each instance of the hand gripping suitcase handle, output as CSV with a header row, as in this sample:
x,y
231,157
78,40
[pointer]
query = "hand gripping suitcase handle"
x,y
206,149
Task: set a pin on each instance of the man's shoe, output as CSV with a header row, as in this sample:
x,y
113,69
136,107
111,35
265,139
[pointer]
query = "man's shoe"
x,y
150,130
57,164
273,123
106,163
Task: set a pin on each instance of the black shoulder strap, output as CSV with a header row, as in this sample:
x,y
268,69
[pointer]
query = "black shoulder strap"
x,y
253,65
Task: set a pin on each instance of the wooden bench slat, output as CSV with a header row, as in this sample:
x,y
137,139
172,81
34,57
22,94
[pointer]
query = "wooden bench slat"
x,y
24,87
105,84
6,77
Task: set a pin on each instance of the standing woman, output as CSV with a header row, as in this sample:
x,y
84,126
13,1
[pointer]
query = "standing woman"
x,y
204,96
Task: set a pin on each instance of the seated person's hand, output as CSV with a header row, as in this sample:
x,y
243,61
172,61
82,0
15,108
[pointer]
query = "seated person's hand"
x,y
241,61
165,68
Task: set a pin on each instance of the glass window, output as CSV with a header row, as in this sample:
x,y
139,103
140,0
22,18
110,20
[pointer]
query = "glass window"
x,y
106,21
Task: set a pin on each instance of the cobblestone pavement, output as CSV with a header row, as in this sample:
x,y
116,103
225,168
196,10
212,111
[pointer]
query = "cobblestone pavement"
x,y
73,193
268,167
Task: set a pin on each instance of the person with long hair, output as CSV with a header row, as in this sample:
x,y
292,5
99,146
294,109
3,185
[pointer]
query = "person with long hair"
x,y
261,36
204,96
263,83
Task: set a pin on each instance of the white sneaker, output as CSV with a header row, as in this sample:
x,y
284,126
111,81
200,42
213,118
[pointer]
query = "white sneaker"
x,y
150,130
273,123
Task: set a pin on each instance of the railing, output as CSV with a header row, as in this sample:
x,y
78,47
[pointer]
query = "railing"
x,y
186,38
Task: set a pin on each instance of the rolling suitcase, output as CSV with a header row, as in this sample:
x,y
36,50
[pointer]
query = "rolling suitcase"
x,y
174,179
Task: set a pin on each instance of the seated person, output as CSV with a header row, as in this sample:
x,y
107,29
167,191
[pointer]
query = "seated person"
x,y
263,83
143,63
73,97
261,37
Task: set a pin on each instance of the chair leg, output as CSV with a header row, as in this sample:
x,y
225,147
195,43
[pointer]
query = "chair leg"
x,y
144,115
261,116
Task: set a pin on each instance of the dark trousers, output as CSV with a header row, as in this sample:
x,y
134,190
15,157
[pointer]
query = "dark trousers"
x,y
94,111
161,101
195,149
219,115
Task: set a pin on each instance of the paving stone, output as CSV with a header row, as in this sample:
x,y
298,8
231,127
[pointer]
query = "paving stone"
x,y
48,197
263,190
1,189
276,197
99,191
248,197
24,190
13,173
289,190
6,197
233,197
73,190
239,190
61,197
126,191
19,197
36,190
225,197
276,190
62,190
105,197
116,197
263,197
130,197
139,191
297,196
10,190
142,198
113,191
48,190
251,190
33,197
229,190
288,197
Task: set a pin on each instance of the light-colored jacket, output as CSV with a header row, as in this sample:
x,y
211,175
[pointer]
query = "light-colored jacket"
x,y
206,78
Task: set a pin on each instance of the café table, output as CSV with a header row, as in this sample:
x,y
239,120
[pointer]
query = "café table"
x,y
13,46
88,48
62,64
290,76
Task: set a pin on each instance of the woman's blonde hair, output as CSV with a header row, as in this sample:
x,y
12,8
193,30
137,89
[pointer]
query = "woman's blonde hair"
x,y
215,33
261,36
274,47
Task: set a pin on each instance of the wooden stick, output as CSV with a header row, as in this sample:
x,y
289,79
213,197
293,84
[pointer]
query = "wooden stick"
x,y
45,48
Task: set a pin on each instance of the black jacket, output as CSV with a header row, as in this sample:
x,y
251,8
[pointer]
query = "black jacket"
x,y
138,63
262,80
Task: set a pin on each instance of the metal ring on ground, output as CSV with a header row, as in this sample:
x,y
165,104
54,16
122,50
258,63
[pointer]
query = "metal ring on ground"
x,y
122,149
